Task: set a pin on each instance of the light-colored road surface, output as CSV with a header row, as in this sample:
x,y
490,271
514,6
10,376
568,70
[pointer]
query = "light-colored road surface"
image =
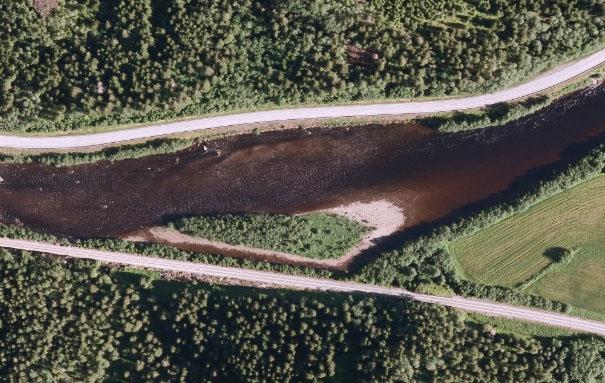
x,y
298,282
539,84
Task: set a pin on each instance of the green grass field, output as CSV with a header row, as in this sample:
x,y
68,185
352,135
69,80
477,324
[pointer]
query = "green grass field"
x,y
316,235
513,250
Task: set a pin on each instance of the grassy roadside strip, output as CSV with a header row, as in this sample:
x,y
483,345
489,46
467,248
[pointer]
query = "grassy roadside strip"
x,y
517,328
117,153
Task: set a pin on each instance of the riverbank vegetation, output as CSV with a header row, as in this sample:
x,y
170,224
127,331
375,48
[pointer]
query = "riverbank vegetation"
x,y
117,153
424,258
534,110
90,63
494,115
80,321
520,247
316,235
531,110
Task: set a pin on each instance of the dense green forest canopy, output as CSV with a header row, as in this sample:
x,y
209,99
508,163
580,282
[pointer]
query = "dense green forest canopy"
x,y
117,57
315,235
79,321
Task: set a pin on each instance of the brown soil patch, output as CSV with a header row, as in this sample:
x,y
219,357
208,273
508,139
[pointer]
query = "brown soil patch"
x,y
45,7
361,56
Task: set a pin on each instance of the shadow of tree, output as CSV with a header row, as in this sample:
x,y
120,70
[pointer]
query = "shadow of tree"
x,y
555,254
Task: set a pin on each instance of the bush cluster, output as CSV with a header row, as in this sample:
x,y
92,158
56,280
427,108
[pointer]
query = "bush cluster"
x,y
494,115
316,235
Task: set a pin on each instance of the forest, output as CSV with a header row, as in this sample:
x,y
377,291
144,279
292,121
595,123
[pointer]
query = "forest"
x,y
85,63
80,321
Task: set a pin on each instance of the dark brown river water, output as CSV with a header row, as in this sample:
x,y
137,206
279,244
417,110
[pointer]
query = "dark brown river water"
x,y
427,174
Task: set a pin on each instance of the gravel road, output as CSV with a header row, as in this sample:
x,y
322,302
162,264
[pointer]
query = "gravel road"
x,y
271,279
555,77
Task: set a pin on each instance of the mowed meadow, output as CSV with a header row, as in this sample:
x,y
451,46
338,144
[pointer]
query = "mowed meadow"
x,y
515,249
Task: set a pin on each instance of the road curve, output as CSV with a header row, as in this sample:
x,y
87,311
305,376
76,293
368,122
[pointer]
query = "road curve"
x,y
299,282
537,85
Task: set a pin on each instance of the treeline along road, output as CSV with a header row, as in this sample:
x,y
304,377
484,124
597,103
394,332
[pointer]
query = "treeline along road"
x,y
264,278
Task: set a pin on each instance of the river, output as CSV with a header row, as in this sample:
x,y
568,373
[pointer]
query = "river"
x,y
425,173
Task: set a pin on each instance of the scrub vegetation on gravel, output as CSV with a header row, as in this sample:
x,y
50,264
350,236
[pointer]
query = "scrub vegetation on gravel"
x,y
565,231
92,63
316,235
112,154
493,115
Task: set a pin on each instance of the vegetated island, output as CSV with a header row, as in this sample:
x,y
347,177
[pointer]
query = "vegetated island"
x,y
316,235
